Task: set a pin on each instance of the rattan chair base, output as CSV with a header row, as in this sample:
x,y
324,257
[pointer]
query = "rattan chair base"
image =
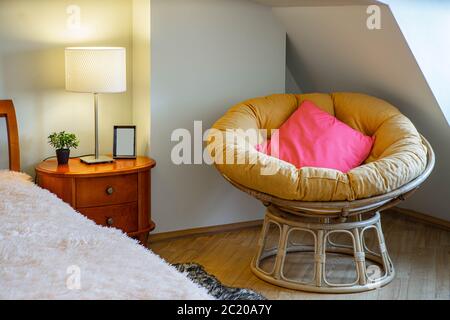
x,y
322,219
323,246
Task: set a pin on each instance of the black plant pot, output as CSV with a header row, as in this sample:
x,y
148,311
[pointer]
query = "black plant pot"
x,y
63,156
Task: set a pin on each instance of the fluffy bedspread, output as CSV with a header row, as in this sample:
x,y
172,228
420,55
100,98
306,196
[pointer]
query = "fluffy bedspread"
x,y
49,251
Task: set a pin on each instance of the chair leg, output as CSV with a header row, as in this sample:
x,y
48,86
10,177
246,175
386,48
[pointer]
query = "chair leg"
x,y
360,257
261,242
320,256
281,254
383,250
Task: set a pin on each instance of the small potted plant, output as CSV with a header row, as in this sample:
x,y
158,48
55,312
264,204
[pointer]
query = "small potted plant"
x,y
63,142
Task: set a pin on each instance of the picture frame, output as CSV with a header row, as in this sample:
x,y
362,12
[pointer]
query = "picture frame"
x,y
124,142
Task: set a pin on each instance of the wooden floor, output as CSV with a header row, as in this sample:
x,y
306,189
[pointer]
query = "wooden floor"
x,y
421,255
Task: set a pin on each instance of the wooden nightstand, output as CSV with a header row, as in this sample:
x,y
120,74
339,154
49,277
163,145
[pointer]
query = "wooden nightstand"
x,y
115,194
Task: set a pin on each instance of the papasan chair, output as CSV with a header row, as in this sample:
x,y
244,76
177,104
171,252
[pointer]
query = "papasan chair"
x,y
325,205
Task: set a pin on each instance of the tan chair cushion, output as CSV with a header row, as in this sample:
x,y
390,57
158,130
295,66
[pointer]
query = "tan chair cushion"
x,y
397,158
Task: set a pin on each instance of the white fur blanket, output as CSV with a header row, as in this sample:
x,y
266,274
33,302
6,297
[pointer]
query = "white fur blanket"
x,y
49,251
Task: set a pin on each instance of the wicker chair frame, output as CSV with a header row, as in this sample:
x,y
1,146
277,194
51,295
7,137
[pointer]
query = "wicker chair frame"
x,y
323,219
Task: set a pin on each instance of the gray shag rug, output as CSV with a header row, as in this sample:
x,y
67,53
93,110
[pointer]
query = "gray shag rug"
x,y
197,273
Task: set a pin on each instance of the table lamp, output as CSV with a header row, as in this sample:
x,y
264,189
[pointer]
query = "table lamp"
x,y
96,70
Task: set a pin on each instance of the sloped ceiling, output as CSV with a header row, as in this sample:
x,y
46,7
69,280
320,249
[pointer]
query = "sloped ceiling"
x,y
314,3
331,49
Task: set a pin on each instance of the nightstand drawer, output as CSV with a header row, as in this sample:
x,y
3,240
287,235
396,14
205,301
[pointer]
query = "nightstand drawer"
x,y
124,217
92,192
112,194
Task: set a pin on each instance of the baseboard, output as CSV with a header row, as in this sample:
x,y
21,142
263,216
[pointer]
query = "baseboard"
x,y
163,236
422,217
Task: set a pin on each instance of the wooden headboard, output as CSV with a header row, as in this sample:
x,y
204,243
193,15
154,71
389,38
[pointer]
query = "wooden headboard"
x,y
7,111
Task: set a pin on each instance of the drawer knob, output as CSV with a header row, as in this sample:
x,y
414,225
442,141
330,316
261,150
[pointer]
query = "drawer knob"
x,y
109,191
110,221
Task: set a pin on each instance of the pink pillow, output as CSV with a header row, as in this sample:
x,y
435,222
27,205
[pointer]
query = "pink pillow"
x,y
313,138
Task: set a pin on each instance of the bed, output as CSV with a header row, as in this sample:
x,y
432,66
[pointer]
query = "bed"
x,y
49,251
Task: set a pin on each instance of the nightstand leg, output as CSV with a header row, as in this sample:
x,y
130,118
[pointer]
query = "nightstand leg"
x,y
143,239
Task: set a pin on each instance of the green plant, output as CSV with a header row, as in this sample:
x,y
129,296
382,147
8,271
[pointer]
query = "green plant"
x,y
63,140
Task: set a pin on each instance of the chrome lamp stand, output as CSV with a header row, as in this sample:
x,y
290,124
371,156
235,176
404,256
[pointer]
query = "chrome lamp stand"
x,y
96,159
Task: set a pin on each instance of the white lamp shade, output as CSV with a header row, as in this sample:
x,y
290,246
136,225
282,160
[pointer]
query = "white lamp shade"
x,y
96,69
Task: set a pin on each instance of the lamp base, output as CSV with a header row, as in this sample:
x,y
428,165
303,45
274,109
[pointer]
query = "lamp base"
x,y
93,160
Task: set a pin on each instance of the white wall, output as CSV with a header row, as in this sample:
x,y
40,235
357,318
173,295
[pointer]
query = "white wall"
x,y
206,56
314,3
141,74
1,81
291,84
3,140
330,49
33,35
